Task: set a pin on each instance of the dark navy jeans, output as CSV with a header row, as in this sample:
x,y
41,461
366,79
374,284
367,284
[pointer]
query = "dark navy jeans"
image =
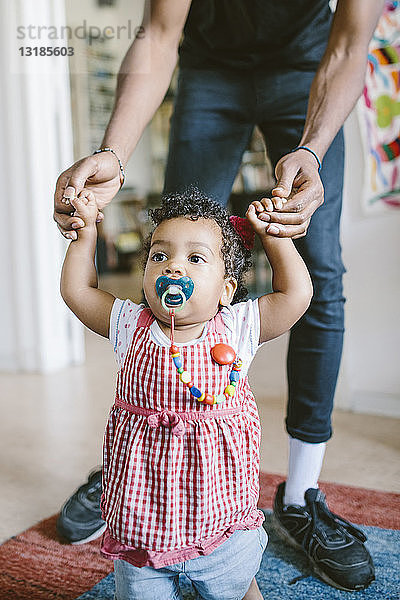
x,y
214,116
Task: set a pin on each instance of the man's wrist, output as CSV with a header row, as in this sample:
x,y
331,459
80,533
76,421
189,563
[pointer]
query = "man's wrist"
x,y
121,152
311,152
111,150
317,143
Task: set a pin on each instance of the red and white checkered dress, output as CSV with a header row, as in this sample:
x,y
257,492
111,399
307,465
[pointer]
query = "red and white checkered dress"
x,y
180,476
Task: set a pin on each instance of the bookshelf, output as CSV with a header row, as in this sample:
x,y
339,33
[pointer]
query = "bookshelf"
x,y
93,69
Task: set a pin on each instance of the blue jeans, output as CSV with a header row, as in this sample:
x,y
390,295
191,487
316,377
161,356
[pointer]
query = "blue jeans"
x,y
214,116
225,574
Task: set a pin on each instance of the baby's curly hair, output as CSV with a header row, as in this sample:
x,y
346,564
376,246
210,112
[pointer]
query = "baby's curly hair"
x,y
192,203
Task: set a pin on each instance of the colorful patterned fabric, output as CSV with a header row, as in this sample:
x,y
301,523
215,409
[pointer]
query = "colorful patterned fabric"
x,y
379,112
178,485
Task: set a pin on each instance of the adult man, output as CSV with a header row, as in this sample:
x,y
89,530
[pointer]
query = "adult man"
x,y
261,63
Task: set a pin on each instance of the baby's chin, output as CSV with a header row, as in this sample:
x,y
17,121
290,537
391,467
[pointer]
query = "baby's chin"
x,y
183,318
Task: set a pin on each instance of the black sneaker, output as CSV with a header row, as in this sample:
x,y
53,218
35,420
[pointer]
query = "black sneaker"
x,y
80,518
334,546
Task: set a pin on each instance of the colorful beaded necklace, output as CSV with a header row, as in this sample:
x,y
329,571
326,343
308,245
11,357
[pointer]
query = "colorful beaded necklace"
x,y
222,354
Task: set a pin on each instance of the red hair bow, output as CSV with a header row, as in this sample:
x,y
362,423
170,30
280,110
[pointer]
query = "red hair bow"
x,y
244,229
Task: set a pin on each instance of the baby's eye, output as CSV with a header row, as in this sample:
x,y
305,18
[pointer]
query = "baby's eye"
x,y
158,257
196,259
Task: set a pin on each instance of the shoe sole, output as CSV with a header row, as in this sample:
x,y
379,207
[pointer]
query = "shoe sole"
x,y
286,537
91,537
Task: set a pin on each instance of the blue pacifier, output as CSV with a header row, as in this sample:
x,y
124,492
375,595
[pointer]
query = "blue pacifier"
x,y
174,292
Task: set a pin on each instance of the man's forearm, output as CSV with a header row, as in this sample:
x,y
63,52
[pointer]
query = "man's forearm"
x,y
340,77
143,81
336,88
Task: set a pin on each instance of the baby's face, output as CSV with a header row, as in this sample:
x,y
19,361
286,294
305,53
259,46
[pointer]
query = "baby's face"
x,y
182,247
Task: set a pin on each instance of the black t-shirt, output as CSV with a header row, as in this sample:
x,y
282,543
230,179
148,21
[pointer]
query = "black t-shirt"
x,y
243,34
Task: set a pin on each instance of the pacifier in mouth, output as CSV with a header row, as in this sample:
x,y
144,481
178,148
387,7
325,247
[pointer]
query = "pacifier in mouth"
x,y
174,292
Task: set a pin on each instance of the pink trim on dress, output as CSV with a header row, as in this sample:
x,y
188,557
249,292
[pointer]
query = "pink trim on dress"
x,y
114,550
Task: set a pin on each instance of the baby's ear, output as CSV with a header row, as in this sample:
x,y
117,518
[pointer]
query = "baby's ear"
x,y
230,285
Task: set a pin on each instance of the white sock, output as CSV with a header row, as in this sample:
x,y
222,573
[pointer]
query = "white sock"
x,y
305,463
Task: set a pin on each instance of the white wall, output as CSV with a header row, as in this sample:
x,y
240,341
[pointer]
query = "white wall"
x,y
370,374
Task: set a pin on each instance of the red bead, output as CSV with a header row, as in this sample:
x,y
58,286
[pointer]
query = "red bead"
x,y
223,354
209,399
174,350
190,384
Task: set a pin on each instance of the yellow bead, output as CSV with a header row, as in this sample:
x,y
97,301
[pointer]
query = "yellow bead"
x,y
201,397
175,355
185,377
230,390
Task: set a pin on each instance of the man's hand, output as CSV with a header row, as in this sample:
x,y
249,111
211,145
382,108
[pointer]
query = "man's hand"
x,y
296,196
99,174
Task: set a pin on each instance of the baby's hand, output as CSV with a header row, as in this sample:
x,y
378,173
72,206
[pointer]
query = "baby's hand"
x,y
258,216
85,207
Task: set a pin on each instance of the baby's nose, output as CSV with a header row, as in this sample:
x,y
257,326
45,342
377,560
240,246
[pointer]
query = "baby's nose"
x,y
173,268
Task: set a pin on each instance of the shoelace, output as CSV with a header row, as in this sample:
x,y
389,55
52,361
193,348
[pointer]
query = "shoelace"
x,y
92,491
320,509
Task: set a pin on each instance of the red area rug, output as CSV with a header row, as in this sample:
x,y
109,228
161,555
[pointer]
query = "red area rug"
x,y
35,565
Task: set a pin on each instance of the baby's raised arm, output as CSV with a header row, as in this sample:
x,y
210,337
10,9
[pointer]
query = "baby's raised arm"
x,y
79,277
291,281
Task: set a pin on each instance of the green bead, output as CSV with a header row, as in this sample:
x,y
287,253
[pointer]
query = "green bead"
x,y
180,370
